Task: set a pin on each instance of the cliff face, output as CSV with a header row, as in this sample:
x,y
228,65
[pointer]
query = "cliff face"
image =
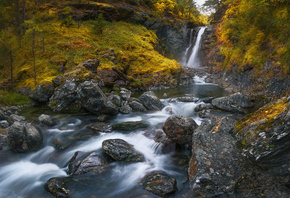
x,y
270,81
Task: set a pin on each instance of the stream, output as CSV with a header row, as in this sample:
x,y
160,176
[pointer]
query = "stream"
x,y
24,175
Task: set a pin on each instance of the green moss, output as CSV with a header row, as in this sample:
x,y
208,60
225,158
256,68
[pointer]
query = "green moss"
x,y
10,99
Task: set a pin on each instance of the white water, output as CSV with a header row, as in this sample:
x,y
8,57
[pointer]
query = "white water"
x,y
187,49
193,60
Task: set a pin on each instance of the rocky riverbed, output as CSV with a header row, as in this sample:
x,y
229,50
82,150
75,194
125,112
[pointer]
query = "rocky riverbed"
x,y
216,153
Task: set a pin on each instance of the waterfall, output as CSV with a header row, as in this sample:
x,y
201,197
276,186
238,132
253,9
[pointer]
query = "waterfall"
x,y
185,59
193,60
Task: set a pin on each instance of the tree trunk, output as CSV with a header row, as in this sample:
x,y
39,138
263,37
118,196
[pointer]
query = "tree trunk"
x,y
19,22
33,53
11,68
23,10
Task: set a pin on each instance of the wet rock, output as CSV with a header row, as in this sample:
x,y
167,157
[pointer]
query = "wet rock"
x,y
204,113
234,103
179,129
120,150
214,168
93,99
101,127
137,106
126,109
207,99
151,101
64,96
92,65
203,110
187,99
169,110
94,163
4,124
24,137
130,126
125,96
115,99
15,118
42,92
56,187
265,136
201,107
46,120
158,135
159,183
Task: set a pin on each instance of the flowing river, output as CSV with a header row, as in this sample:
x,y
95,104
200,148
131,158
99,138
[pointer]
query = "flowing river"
x,y
24,175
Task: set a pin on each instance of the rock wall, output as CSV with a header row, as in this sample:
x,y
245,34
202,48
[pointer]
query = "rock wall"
x,y
269,82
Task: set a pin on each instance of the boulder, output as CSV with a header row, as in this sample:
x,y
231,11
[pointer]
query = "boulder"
x,y
92,65
93,99
234,103
203,110
24,137
15,118
42,92
64,96
125,96
179,129
92,163
201,107
120,150
214,168
130,126
151,101
115,99
4,124
137,106
159,183
101,127
46,120
56,187
265,136
126,109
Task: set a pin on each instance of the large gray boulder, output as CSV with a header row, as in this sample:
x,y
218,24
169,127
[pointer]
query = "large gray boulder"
x,y
159,183
120,150
93,99
151,101
64,96
24,137
214,168
42,92
137,106
46,120
93,163
179,128
234,103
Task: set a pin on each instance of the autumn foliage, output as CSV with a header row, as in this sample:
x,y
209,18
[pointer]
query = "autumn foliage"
x,y
254,31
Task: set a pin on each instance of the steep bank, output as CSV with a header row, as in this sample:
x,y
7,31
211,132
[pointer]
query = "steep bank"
x,y
246,50
130,40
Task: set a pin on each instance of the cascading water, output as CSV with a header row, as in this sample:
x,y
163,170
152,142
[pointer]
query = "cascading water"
x,y
193,60
24,175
